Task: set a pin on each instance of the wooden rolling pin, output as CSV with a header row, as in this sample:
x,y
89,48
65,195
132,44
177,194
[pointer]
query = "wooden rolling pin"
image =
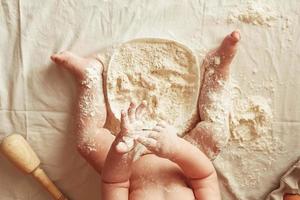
x,y
18,151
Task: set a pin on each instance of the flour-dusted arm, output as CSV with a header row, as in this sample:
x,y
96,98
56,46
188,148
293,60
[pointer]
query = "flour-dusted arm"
x,y
212,133
93,141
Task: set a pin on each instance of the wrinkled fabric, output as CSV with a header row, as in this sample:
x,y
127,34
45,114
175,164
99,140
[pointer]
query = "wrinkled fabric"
x,y
289,183
36,97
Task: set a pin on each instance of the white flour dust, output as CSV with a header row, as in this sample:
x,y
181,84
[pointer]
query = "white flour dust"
x,y
252,147
89,107
162,73
214,109
91,80
258,14
251,123
217,101
254,13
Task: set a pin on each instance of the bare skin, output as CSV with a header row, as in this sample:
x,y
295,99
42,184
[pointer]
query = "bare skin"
x,y
168,172
291,197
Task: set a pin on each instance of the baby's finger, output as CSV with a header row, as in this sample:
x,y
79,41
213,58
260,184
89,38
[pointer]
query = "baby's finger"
x,y
158,128
131,111
126,145
124,122
121,147
145,133
149,143
162,124
129,141
153,135
140,110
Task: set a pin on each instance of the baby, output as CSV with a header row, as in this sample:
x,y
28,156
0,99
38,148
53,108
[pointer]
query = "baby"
x,y
174,168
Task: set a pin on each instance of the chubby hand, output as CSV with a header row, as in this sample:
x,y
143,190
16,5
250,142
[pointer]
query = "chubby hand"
x,y
161,140
130,125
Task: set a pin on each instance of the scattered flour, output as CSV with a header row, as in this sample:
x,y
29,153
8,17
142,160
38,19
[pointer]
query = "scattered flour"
x,y
217,101
252,148
89,107
163,73
254,13
217,60
88,103
215,104
251,123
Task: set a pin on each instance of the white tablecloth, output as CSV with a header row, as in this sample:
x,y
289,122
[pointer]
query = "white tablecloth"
x,y
36,97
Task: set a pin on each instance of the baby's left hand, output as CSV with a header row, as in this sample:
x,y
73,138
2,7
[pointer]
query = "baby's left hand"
x,y
161,140
130,123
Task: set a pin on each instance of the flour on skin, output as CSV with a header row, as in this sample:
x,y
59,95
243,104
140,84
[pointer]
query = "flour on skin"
x,y
89,106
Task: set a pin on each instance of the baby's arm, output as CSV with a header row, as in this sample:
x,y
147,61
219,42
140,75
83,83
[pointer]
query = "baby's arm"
x,y
198,168
117,167
194,164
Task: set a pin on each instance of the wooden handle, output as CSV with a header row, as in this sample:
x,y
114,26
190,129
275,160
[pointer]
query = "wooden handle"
x,y
19,152
45,181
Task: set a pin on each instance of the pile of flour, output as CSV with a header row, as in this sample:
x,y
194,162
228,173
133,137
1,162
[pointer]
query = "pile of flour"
x,y
252,147
250,124
254,13
163,73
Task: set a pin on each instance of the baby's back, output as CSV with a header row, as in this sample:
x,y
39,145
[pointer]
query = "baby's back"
x,y
157,178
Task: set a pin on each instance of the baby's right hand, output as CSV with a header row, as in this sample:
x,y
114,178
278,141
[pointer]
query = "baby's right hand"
x,y
161,140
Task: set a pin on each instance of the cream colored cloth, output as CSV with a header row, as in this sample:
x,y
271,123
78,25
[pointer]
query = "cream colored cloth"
x,y
36,97
289,183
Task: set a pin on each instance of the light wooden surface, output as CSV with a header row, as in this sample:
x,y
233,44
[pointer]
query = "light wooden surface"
x,y
19,152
